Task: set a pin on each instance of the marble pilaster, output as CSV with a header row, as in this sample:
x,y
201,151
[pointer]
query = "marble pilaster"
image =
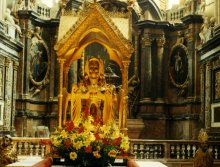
x,y
15,68
208,96
146,66
217,11
160,51
8,95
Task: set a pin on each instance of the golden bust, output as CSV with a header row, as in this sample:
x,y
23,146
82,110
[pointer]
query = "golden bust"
x,y
8,152
92,96
203,156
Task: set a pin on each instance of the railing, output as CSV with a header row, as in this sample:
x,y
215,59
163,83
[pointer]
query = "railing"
x,y
43,11
31,146
174,14
169,149
169,152
142,149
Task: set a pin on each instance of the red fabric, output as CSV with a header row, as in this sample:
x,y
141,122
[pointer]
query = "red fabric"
x,y
132,163
47,162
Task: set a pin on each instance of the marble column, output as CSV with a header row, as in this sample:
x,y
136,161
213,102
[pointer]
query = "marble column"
x,y
124,112
2,9
25,59
8,95
202,79
15,68
136,61
160,51
208,96
191,53
60,96
217,11
146,67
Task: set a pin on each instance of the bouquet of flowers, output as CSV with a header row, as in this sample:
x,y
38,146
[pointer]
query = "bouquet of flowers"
x,y
89,143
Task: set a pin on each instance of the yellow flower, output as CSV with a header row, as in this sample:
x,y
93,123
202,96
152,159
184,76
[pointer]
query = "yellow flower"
x,y
112,153
88,126
73,155
115,134
105,129
78,145
96,154
63,134
56,142
125,143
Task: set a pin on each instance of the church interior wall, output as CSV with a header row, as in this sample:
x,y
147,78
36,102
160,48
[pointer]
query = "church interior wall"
x,y
175,110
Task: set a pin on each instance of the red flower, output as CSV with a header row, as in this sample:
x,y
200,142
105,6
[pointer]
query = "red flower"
x,y
105,141
88,149
117,141
45,142
86,112
67,143
123,153
97,137
97,121
81,129
69,126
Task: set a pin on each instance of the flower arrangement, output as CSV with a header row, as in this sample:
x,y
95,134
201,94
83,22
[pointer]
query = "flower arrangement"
x,y
87,142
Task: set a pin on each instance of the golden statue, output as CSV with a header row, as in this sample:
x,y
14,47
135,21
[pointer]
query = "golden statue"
x,y
8,152
203,156
92,96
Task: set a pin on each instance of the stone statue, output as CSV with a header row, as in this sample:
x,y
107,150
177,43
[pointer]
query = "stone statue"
x,y
188,6
203,156
7,152
133,91
10,20
92,96
36,35
205,33
202,7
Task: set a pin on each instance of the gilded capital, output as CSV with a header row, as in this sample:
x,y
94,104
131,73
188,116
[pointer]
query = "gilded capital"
x,y
61,61
146,41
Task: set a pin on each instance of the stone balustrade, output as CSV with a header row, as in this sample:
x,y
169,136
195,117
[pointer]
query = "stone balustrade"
x,y
169,149
43,11
174,15
32,146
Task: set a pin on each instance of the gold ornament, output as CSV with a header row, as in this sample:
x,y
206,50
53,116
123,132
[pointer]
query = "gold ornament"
x,y
203,136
